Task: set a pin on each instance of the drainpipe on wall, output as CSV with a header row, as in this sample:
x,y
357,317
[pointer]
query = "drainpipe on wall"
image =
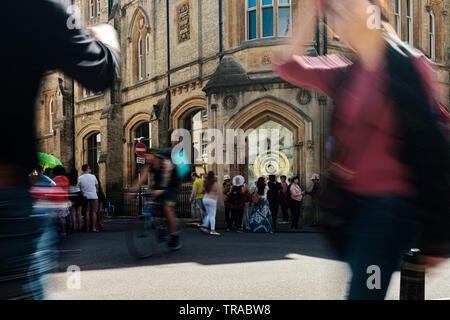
x,y
318,36
73,124
169,97
220,30
325,35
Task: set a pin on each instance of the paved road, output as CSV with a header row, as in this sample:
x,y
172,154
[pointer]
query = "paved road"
x,y
233,266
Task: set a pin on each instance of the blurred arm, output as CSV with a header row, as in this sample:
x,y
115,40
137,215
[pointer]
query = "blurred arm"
x,y
93,63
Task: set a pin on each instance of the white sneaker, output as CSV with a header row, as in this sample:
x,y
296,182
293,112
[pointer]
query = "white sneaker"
x,y
213,233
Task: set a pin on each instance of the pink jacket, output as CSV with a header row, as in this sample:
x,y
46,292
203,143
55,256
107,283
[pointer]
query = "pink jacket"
x,y
379,169
296,192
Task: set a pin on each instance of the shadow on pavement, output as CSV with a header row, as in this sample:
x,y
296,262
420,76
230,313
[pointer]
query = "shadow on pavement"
x,y
108,250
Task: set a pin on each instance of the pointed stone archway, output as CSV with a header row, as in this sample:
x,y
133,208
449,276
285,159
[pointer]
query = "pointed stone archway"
x,y
267,109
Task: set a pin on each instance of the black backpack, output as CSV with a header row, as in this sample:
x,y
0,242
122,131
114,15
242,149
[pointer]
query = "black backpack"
x,y
236,195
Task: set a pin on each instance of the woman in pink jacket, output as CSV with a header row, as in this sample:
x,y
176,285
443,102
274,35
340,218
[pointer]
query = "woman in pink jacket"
x,y
296,202
378,188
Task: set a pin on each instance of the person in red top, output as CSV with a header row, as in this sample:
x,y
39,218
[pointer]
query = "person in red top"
x,y
378,183
62,198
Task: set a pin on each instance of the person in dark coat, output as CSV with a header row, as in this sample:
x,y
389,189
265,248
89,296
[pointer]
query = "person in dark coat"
x,y
314,194
273,196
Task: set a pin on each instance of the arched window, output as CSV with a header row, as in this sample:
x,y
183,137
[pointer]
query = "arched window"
x,y
94,151
141,47
147,56
274,16
409,22
98,8
91,9
398,16
140,77
144,131
432,37
50,113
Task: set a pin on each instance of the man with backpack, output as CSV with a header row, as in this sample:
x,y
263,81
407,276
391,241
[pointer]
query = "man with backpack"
x,y
237,203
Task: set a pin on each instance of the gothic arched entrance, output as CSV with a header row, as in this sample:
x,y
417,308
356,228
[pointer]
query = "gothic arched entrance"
x,y
279,153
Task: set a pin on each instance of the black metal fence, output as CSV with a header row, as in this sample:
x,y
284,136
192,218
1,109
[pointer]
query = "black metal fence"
x,y
131,207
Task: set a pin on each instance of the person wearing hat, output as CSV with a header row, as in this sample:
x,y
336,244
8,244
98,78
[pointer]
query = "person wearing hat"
x,y
314,194
236,199
226,189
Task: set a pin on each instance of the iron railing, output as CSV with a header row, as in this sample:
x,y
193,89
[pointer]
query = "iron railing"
x,y
131,207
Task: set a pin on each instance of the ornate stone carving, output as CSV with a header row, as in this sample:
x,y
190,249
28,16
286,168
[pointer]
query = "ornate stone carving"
x,y
184,23
304,97
265,60
230,102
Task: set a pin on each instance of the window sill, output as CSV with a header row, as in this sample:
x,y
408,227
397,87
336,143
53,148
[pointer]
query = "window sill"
x,y
137,84
263,42
95,96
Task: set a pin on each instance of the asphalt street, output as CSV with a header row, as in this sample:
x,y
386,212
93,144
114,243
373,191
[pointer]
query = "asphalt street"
x,y
233,266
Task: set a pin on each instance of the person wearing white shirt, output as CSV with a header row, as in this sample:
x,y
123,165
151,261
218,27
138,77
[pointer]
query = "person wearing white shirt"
x,y
88,184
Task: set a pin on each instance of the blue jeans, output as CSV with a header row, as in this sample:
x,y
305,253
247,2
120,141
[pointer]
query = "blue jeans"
x,y
379,231
27,238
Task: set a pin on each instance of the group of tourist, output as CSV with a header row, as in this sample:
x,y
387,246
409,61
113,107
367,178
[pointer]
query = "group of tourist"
x,y
75,202
264,199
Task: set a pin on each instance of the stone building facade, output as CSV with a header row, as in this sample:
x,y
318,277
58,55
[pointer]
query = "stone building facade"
x,y
186,61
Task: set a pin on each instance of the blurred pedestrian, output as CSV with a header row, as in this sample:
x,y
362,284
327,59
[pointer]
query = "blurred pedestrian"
x,y
388,158
63,212
38,40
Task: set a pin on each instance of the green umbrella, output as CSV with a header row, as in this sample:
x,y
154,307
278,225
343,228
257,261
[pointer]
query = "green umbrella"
x,y
48,161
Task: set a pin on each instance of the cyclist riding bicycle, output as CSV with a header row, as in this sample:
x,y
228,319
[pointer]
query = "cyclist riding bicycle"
x,y
165,187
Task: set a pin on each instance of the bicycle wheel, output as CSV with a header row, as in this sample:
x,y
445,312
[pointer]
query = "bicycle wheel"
x,y
109,211
141,238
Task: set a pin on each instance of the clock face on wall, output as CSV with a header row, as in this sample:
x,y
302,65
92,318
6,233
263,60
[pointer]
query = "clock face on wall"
x,y
271,163
270,150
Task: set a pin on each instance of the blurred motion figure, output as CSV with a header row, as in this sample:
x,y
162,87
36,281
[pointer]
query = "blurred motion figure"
x,y
387,172
36,38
